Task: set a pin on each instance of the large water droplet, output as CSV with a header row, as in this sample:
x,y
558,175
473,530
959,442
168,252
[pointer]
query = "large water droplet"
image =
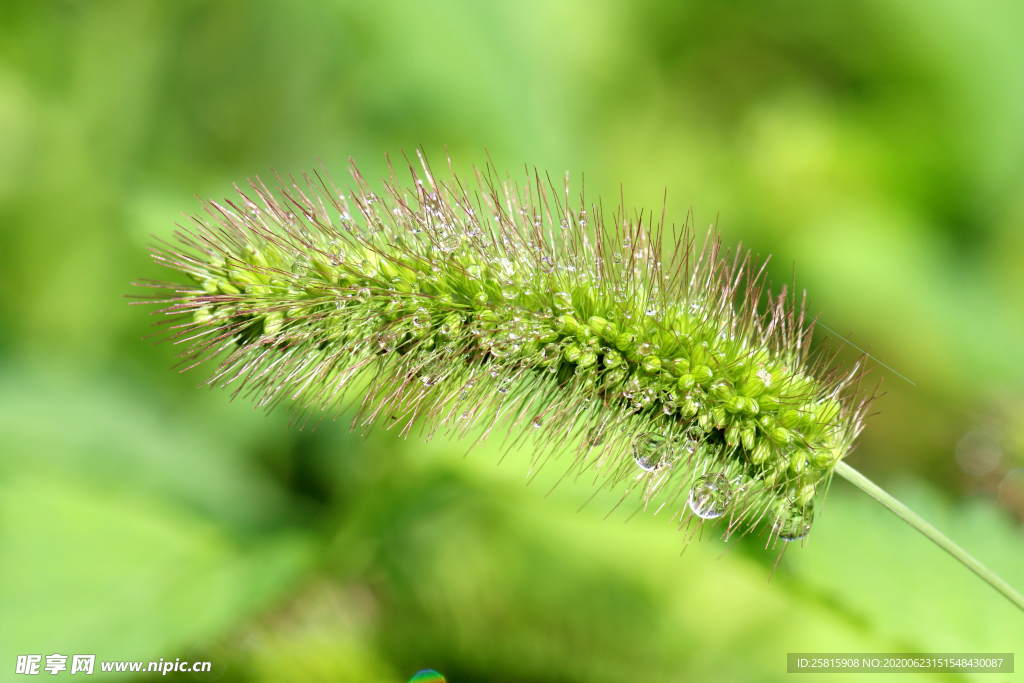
x,y
562,301
421,318
550,353
538,421
387,341
300,265
448,241
335,250
794,522
691,440
651,451
710,495
362,295
501,348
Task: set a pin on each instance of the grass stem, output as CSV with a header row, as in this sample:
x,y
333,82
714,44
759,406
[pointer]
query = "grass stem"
x,y
940,539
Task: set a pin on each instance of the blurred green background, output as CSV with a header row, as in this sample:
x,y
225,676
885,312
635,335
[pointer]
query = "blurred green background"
x,y
879,145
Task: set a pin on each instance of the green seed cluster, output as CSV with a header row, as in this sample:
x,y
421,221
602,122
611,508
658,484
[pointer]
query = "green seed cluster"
x,y
510,309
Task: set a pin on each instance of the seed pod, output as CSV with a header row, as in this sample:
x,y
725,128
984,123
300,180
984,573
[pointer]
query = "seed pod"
x,y
701,374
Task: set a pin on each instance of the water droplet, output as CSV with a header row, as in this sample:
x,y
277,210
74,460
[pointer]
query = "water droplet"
x,y
550,353
300,265
794,522
595,436
562,301
501,348
509,292
421,318
691,440
387,341
710,495
563,224
645,349
336,252
363,295
538,421
504,384
627,242
583,218
651,310
651,451
617,257
448,241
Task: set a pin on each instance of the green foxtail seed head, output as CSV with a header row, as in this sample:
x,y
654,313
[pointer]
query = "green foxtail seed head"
x,y
676,371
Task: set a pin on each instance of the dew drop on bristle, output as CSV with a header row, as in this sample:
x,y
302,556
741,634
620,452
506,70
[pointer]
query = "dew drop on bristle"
x,y
448,242
300,265
386,341
538,421
562,301
501,348
691,440
421,318
363,295
334,249
651,451
710,495
794,522
595,436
